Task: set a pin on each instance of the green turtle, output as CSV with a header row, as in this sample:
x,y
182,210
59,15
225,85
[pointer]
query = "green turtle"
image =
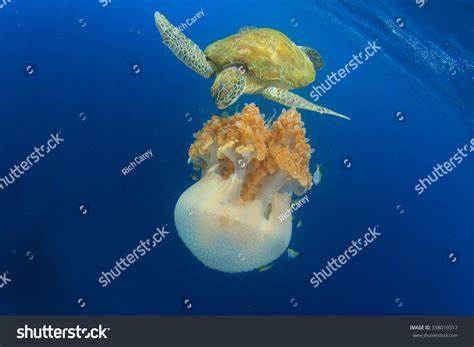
x,y
253,61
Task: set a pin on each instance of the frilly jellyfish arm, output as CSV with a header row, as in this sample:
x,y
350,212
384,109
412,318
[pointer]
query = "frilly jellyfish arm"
x,y
249,174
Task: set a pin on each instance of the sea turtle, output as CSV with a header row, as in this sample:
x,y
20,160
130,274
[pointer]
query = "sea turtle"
x,y
253,61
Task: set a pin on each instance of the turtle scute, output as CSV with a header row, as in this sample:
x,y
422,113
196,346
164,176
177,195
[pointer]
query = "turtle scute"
x,y
267,53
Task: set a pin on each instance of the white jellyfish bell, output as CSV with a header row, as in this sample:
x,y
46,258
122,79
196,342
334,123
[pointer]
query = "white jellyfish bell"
x,y
229,219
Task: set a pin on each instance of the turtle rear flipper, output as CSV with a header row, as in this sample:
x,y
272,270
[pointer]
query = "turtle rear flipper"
x,y
185,49
314,56
293,100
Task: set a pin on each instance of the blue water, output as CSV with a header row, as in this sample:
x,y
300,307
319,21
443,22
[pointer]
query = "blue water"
x,y
82,85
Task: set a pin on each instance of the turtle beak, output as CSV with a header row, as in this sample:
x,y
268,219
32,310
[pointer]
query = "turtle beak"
x,y
222,105
219,103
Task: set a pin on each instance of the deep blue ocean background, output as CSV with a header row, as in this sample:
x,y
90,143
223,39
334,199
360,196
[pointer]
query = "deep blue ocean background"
x,y
82,85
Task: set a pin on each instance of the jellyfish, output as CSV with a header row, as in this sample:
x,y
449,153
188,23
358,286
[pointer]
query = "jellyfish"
x,y
250,168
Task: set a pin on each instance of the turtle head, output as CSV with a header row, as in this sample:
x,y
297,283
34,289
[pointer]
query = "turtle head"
x,y
228,86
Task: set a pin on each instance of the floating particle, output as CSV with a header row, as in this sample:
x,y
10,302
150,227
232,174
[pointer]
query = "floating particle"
x,y
317,175
292,254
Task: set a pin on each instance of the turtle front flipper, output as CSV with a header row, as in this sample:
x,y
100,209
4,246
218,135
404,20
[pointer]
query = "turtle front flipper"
x,y
185,49
292,100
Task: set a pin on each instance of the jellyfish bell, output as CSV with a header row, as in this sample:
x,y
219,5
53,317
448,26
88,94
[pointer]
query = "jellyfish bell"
x,y
231,218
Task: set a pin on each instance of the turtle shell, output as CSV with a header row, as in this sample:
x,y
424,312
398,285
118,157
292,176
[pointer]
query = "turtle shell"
x,y
269,54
